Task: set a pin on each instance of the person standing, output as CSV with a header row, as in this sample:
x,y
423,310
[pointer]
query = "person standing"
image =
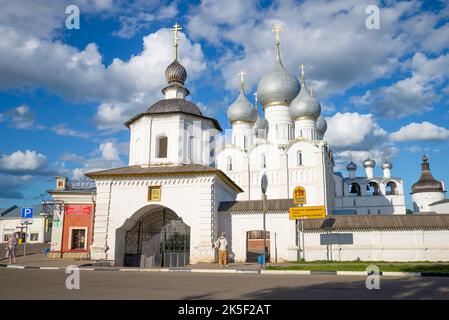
x,y
222,245
11,248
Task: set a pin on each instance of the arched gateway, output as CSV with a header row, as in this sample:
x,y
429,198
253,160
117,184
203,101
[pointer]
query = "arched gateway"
x,y
153,237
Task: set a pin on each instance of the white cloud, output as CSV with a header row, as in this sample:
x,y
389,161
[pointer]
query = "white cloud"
x,y
131,22
20,162
354,130
80,74
107,156
321,34
71,157
424,131
63,130
109,151
21,117
413,95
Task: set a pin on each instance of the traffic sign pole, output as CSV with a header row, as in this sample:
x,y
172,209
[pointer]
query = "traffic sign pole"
x,y
303,243
26,239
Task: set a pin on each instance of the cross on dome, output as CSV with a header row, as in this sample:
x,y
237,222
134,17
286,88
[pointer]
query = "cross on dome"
x,y
175,30
302,67
277,29
242,78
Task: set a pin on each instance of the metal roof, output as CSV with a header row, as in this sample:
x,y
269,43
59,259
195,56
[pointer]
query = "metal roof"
x,y
161,170
173,106
256,205
417,221
380,222
17,212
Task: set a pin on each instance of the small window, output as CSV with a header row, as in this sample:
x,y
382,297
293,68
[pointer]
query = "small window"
x,y
34,236
162,145
7,236
299,158
78,239
263,160
229,164
244,143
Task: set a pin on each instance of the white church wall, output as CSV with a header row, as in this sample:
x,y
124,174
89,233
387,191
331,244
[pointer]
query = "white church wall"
x,y
440,207
422,200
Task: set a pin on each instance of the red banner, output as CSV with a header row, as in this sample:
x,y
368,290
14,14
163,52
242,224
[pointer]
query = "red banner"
x,y
79,209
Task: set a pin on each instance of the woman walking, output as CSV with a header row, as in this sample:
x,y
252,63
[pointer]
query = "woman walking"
x,y
11,248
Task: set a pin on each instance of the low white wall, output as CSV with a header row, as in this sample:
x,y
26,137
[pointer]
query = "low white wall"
x,y
347,245
379,246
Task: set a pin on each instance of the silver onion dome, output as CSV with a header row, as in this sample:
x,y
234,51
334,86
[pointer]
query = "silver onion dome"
x,y
387,165
351,166
242,110
278,86
175,72
369,163
321,125
260,124
305,106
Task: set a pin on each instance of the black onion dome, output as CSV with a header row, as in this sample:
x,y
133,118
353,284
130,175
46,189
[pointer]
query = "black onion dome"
x,y
175,72
426,183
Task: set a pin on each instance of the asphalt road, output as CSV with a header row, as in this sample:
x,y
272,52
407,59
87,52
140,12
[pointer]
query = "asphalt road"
x,y
50,284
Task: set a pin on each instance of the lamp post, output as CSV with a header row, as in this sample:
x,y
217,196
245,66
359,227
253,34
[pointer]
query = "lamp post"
x,y
264,185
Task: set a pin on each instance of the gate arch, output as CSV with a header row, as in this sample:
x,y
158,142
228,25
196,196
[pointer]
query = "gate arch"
x,y
154,236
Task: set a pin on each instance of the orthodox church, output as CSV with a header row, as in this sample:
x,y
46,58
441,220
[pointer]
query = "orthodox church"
x,y
180,190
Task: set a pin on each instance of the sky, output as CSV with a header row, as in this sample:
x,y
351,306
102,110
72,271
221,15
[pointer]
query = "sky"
x,y
66,92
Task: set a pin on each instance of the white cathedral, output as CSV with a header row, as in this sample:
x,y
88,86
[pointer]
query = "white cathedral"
x,y
175,172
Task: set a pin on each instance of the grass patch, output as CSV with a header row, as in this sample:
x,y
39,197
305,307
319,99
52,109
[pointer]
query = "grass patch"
x,y
361,266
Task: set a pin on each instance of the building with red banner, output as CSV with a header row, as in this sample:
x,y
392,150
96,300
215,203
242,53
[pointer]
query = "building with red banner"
x,y
73,212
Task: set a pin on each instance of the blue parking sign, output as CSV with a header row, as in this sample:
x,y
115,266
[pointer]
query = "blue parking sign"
x,y
27,213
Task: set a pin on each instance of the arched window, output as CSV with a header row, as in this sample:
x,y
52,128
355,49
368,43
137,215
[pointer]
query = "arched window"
x,y
355,189
299,158
244,143
372,189
162,146
263,161
391,188
229,164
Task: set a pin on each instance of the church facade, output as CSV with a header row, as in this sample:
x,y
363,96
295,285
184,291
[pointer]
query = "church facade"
x,y
181,190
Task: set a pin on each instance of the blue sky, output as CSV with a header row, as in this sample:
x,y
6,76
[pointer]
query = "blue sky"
x,y
65,93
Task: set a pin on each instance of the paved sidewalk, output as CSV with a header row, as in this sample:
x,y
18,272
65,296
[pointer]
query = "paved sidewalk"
x,y
38,260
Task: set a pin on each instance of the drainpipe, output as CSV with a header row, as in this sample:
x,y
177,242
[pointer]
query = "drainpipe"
x,y
92,221
325,181
249,178
151,140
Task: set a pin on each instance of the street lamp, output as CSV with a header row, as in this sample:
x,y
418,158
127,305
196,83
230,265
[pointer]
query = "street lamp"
x,y
264,185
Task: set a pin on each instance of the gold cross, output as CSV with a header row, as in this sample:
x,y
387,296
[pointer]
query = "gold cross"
x,y
242,77
277,29
175,30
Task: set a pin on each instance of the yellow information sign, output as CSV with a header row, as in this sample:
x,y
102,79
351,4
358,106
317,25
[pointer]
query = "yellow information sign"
x,y
312,212
299,195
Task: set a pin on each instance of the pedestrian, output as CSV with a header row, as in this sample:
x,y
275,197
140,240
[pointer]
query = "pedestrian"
x,y
222,245
11,248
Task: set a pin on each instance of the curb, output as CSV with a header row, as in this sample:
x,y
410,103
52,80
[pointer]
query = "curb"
x,y
239,271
